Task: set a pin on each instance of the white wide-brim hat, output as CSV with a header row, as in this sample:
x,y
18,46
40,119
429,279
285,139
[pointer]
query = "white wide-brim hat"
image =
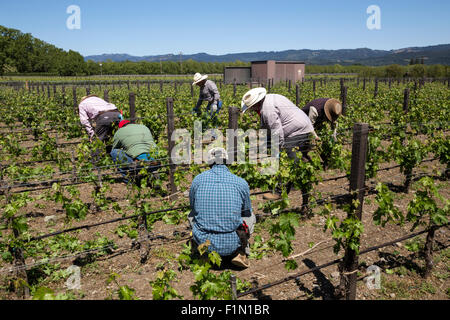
x,y
252,97
198,77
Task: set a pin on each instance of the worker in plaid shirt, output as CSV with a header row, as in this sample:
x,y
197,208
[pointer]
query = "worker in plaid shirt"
x,y
221,210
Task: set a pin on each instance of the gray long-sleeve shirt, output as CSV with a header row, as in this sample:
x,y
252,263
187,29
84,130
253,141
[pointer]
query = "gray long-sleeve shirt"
x,y
279,114
208,92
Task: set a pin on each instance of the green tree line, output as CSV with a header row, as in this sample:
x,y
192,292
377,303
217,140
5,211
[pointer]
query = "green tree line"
x,y
390,71
21,53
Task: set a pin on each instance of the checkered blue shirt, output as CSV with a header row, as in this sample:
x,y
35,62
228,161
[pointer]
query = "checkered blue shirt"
x,y
219,199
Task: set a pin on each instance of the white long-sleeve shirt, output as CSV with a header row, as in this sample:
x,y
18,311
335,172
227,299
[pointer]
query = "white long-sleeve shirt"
x,y
280,115
90,108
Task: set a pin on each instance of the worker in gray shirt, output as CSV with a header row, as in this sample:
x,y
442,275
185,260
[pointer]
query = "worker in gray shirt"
x,y
208,92
282,117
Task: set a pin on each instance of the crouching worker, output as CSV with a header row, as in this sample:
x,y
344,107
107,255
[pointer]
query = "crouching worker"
x,y
93,109
221,210
133,144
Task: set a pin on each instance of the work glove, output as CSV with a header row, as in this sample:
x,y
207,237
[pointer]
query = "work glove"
x,y
213,108
335,133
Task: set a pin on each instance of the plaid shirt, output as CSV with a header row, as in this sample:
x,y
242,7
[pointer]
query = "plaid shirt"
x,y
219,199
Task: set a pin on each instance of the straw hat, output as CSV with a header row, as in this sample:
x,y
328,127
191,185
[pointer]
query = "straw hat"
x,y
217,155
252,97
333,109
198,78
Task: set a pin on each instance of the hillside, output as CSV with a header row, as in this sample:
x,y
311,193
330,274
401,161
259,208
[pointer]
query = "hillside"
x,y
438,54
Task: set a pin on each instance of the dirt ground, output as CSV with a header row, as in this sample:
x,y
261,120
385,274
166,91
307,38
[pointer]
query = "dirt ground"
x,y
401,269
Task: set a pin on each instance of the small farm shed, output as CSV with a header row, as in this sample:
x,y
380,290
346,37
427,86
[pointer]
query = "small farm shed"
x,y
261,71
240,74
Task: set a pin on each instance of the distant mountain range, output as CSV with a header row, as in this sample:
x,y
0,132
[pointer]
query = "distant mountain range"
x,y
438,54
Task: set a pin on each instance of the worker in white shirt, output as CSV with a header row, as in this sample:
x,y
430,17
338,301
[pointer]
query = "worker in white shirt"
x,y
104,114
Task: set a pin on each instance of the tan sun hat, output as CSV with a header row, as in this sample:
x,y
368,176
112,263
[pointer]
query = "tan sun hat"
x,y
198,78
333,109
252,97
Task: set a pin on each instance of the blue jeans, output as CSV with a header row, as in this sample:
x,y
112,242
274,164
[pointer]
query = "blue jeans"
x,y
119,156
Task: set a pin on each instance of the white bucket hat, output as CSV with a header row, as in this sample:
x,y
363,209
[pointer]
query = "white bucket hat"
x,y
217,155
252,97
198,77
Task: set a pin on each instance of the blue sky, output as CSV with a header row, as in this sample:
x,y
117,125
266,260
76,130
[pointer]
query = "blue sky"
x,y
140,27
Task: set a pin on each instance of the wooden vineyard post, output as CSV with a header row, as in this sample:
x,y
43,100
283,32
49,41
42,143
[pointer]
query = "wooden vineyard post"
x,y
192,90
88,91
344,100
375,92
175,86
48,91
161,86
289,85
233,117
364,84
106,95
390,83
63,92
233,284
349,265
297,95
406,100
128,85
75,102
132,102
144,241
171,144
314,88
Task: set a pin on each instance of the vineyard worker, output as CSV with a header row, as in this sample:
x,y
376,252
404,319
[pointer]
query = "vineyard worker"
x,y
104,114
208,92
324,110
221,210
280,116
132,143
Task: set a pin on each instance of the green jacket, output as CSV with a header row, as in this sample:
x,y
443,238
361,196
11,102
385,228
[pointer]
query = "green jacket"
x,y
134,139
